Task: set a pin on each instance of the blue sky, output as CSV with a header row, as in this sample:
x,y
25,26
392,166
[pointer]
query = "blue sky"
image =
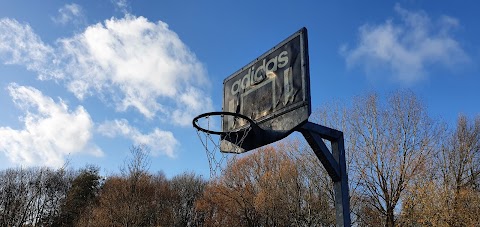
x,y
80,82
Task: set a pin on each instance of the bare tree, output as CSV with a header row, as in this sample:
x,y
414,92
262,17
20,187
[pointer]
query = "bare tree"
x,y
128,200
138,164
32,196
460,156
187,188
461,172
313,194
392,145
448,194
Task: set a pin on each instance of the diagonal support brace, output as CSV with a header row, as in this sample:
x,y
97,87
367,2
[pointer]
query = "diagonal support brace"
x,y
323,154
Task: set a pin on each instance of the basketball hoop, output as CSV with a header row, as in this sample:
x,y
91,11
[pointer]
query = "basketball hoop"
x,y
218,141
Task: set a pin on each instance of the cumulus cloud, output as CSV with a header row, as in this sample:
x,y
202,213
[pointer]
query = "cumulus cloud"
x,y
50,132
69,13
408,47
130,62
161,142
142,65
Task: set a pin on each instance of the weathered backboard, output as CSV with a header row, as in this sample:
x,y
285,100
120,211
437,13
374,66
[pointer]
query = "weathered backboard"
x,y
273,91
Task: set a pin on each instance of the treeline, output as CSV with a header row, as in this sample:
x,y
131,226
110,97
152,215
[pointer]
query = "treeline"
x,y
405,169
271,187
45,197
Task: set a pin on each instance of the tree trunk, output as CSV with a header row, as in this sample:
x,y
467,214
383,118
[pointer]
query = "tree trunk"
x,y
390,219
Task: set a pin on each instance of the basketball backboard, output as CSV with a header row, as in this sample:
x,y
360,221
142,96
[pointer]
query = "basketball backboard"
x,y
273,91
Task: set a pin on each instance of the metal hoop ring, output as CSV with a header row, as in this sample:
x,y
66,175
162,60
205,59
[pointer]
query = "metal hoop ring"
x,y
220,113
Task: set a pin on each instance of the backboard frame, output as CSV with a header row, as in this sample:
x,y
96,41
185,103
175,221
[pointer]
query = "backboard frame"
x,y
286,71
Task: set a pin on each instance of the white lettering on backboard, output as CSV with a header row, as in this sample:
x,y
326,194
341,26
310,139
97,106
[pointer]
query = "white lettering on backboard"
x,y
256,76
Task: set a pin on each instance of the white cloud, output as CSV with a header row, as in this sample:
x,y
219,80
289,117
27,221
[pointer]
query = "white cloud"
x,y
69,13
190,102
407,48
130,62
121,5
51,131
160,142
20,45
144,65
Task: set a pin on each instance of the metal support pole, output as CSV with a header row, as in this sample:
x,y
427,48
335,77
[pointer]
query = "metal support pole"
x,y
334,163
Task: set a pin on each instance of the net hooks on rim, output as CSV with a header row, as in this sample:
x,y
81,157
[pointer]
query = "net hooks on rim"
x,y
212,137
